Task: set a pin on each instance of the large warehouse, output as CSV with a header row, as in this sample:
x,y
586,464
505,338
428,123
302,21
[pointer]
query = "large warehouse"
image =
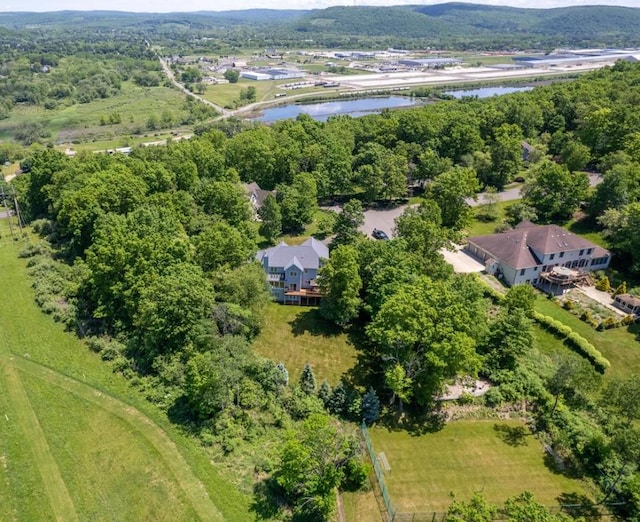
x,y
272,74
577,57
430,62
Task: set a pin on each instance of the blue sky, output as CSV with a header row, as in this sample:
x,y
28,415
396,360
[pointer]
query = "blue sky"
x,y
222,5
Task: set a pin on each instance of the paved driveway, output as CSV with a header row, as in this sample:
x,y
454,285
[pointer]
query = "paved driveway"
x,y
462,262
382,219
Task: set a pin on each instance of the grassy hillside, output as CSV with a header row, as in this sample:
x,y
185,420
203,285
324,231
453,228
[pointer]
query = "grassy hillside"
x,y
298,335
78,442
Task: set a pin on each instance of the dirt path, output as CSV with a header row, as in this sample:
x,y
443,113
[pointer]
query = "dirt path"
x,y
169,74
55,488
194,490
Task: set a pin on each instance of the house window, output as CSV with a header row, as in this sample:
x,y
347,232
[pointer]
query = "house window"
x,y
561,254
581,252
589,251
522,272
551,257
293,274
535,268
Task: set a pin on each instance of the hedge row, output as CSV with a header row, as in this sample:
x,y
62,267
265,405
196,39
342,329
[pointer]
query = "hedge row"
x,y
574,340
493,294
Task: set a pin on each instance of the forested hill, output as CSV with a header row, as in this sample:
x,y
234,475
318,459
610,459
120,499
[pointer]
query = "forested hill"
x,y
443,25
597,24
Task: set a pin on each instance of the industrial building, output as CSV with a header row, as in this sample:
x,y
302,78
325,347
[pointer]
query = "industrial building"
x,y
430,62
577,57
272,74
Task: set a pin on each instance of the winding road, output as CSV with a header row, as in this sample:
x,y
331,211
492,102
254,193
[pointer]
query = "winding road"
x,y
384,219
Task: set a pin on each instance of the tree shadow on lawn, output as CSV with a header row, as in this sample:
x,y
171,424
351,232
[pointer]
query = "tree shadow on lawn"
x,y
584,225
512,435
635,329
268,502
310,321
415,423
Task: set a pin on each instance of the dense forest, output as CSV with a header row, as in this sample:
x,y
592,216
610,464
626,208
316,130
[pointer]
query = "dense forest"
x,y
452,25
149,257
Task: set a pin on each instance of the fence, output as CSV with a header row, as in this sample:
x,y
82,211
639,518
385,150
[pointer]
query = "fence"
x,y
379,474
597,512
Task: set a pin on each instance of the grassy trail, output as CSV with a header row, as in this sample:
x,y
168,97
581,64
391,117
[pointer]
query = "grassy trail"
x,y
36,352
56,490
166,448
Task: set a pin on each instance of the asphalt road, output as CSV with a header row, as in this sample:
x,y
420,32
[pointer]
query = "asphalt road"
x,y
384,219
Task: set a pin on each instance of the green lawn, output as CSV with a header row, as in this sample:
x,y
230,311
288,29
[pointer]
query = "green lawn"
x,y
498,458
620,345
298,335
361,506
78,442
481,228
588,230
225,93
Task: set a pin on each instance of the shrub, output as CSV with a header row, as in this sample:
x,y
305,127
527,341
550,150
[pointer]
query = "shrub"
x,y
493,397
493,294
589,351
603,284
37,249
585,316
465,398
610,322
568,305
574,340
622,289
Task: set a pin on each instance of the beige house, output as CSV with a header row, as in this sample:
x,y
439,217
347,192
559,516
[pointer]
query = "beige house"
x,y
538,255
627,303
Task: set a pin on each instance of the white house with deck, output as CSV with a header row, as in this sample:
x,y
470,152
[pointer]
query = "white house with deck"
x,y
538,255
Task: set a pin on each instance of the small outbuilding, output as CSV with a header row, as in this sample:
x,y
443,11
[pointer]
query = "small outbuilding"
x,y
628,303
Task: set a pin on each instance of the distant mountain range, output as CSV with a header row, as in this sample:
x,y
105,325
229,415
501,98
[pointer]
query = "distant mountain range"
x,y
473,19
605,25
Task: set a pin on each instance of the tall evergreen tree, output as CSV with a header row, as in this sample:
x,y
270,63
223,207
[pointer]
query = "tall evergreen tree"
x,y
370,406
308,380
324,393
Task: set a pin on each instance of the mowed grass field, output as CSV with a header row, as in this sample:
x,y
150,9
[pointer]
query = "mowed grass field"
x,y
296,335
500,459
77,441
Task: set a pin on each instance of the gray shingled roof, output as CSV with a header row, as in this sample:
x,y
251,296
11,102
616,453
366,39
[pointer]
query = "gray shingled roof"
x,y
516,247
508,247
253,189
629,299
548,239
306,255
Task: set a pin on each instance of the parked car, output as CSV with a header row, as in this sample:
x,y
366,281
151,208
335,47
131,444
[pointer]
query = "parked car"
x,y
380,234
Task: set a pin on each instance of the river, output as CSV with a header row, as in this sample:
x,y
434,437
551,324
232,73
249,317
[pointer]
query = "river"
x,y
359,107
